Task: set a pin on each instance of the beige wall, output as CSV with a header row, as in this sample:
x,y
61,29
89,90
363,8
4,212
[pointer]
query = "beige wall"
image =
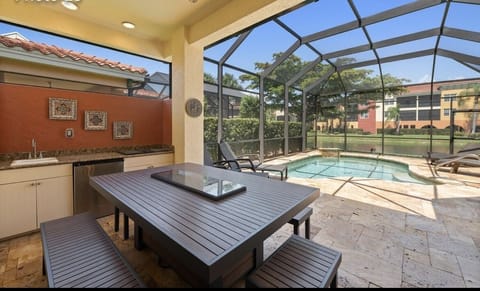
x,y
187,82
28,68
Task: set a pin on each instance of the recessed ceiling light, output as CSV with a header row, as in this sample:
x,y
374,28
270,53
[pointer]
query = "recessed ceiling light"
x,y
69,5
128,25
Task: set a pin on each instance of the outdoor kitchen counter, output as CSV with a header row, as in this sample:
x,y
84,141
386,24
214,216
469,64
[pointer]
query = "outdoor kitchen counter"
x,y
73,158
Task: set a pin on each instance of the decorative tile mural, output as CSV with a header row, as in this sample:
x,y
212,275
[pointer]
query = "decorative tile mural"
x,y
62,109
122,129
95,120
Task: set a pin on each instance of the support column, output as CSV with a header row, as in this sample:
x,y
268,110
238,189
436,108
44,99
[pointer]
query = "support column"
x,y
187,83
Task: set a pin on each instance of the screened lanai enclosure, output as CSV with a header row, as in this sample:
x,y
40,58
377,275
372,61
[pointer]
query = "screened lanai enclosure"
x,y
385,77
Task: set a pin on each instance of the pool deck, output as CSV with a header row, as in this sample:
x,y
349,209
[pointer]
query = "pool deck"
x,y
397,234
391,234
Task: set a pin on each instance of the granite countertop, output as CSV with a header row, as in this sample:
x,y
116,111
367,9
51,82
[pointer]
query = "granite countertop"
x,y
93,156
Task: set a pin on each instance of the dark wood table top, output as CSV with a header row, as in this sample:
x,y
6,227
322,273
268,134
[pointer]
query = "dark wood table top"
x,y
211,231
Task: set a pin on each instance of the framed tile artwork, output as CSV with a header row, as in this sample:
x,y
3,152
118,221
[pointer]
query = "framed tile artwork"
x,y
95,120
122,129
62,109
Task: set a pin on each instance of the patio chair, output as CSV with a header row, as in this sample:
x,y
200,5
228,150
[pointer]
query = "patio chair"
x,y
434,157
467,160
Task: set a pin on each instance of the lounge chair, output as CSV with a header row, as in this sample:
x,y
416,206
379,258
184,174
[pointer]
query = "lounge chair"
x,y
226,164
243,162
467,160
253,165
434,157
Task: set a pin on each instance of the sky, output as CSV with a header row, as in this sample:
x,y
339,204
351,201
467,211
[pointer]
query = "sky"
x,y
325,14
270,38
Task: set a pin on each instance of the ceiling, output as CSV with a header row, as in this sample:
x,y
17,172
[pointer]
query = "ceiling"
x,y
156,21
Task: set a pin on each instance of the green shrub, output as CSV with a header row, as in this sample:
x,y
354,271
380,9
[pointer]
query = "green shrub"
x,y
242,133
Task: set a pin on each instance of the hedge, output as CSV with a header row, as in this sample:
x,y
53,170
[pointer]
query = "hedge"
x,y
238,129
243,135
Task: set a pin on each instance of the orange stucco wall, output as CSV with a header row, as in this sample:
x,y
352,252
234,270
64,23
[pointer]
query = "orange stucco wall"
x,y
368,124
24,115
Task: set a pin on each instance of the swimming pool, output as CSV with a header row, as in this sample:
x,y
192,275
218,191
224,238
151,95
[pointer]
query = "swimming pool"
x,y
320,167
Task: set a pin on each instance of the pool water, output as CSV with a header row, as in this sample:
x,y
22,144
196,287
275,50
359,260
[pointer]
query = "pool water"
x,y
318,167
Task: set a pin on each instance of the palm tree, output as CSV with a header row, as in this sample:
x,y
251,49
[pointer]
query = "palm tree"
x,y
393,113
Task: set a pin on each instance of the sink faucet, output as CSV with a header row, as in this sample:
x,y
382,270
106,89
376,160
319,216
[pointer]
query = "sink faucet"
x,y
34,146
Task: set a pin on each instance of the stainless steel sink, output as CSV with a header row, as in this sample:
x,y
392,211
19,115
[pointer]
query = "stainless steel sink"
x,y
28,162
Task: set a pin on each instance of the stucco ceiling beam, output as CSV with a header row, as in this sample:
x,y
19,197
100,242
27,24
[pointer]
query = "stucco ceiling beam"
x,y
236,16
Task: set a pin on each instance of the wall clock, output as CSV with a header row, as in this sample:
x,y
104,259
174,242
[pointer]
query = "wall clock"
x,y
193,107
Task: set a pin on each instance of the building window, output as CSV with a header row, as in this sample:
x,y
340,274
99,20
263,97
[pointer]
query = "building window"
x,y
407,102
447,111
364,115
448,97
429,114
424,101
408,115
412,126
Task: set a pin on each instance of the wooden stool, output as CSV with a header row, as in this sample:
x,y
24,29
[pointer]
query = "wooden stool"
x,y
298,263
298,219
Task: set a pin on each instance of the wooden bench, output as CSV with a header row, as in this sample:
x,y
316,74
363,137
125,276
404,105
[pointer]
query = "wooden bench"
x,y
302,216
78,253
298,263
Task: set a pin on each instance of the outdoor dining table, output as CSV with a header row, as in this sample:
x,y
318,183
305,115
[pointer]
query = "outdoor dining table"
x,y
210,243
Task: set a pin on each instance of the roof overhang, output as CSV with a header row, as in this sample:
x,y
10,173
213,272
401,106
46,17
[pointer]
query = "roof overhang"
x,y
19,54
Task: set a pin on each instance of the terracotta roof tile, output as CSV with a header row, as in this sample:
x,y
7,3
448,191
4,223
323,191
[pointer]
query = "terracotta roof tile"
x,y
45,49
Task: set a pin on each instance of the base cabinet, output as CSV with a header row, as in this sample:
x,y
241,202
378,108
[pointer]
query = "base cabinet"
x,y
53,203
30,196
18,208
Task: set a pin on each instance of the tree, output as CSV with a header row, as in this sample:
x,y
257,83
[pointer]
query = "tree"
x,y
230,81
367,87
393,113
274,84
209,78
250,107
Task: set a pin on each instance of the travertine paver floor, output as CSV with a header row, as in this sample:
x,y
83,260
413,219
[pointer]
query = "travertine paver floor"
x,y
391,234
